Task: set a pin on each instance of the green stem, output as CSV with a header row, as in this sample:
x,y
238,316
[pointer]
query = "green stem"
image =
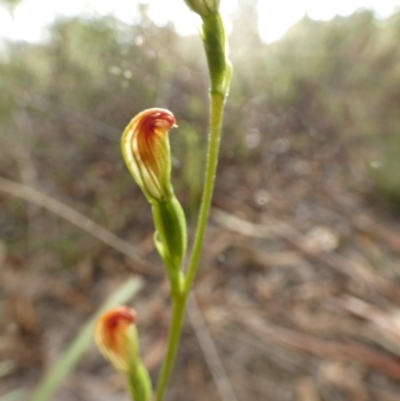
x,y
216,114
178,311
139,383
179,300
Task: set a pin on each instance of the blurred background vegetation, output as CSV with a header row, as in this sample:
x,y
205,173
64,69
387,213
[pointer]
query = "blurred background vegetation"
x,y
316,112
63,104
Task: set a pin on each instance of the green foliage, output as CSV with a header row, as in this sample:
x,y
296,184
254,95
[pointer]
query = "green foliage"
x,y
323,80
354,88
64,102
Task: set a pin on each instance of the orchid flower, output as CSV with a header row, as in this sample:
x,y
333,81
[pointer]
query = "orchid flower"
x,y
116,337
146,151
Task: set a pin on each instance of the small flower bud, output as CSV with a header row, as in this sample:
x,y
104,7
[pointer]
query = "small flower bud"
x,y
146,151
116,337
203,7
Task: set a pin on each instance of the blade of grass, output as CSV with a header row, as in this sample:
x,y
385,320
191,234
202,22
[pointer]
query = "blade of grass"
x,y
15,395
51,382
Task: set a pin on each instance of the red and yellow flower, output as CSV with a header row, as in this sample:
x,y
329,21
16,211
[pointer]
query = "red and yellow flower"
x,y
146,151
116,337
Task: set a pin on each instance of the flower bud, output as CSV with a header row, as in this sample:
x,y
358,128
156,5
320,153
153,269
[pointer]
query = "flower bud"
x,y
203,7
146,151
116,337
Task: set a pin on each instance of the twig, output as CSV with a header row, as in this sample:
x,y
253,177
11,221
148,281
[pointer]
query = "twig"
x,y
76,218
210,351
301,243
372,313
323,348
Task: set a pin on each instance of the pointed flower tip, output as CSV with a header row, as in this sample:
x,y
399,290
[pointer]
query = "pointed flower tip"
x,y
155,119
115,336
146,151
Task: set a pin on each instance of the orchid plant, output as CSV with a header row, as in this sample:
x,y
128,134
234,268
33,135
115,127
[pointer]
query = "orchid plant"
x,y
146,151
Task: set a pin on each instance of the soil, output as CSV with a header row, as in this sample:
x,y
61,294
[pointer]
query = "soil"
x,y
295,300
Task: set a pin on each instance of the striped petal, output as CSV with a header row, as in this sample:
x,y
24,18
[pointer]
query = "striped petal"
x,y
115,336
146,151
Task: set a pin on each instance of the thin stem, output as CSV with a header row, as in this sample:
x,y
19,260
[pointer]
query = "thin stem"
x,y
216,114
179,300
178,311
